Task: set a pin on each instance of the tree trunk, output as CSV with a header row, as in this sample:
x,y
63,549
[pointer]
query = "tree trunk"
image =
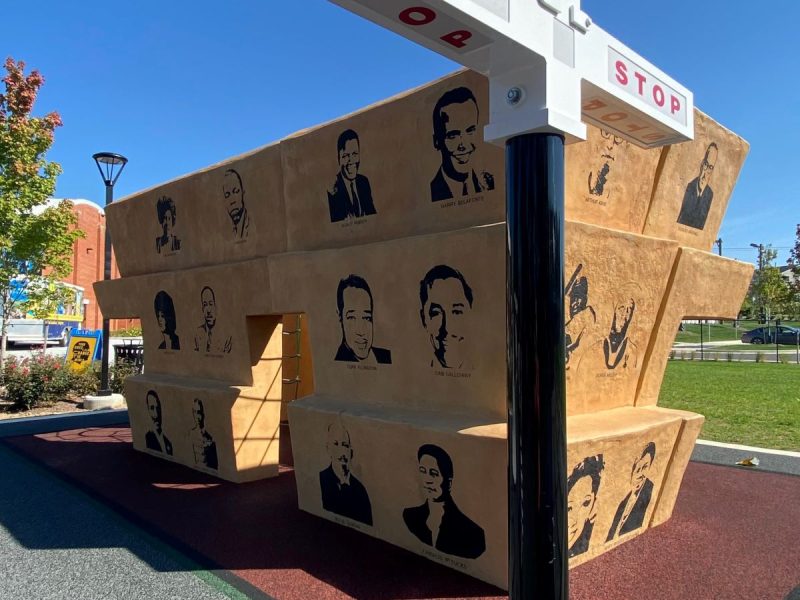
x,y
3,340
44,334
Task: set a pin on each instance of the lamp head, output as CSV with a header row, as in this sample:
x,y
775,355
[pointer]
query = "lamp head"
x,y
107,164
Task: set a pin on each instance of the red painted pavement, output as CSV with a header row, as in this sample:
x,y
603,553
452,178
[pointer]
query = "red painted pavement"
x,y
735,534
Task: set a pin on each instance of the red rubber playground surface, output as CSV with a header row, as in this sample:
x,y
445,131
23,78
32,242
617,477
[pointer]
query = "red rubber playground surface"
x,y
735,534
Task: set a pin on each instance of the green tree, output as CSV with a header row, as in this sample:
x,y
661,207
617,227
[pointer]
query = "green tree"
x,y
770,293
794,260
794,265
35,238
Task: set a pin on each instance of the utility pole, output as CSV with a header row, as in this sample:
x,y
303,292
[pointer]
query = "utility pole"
x,y
760,248
759,274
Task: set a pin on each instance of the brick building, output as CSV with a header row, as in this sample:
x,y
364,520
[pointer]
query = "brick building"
x,y
87,263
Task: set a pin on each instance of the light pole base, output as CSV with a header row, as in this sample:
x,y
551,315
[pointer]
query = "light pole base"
x,y
94,402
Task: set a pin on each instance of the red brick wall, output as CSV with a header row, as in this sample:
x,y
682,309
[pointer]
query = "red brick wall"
x,y
87,263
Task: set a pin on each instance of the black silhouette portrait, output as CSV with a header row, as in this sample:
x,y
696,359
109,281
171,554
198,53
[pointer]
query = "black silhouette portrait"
x,y
597,182
355,308
165,315
698,195
233,193
350,195
580,315
438,522
445,301
155,438
618,349
342,493
455,136
80,352
582,487
630,512
204,447
208,338
168,242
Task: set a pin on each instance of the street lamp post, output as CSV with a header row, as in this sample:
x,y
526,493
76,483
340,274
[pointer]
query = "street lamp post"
x,y
107,163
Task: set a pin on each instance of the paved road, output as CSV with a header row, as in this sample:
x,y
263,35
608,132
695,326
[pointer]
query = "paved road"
x,y
56,542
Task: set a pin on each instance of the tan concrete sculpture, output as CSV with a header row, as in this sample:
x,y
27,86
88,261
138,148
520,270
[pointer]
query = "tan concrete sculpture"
x,y
385,231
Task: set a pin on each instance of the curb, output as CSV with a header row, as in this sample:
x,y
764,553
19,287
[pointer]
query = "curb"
x,y
772,461
49,423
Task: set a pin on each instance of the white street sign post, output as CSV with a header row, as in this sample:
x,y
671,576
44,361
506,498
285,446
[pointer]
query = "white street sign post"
x,y
550,70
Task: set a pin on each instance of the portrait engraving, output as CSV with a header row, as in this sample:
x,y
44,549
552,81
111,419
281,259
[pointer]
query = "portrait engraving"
x,y
456,137
438,522
155,439
342,493
350,196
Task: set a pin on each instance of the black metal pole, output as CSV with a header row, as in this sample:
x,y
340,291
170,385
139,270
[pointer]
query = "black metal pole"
x,y
701,338
105,390
537,538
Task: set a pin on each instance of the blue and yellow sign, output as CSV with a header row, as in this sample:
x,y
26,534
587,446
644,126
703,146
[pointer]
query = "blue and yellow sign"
x,y
83,347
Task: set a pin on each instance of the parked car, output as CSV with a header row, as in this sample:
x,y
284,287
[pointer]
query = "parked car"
x,y
766,335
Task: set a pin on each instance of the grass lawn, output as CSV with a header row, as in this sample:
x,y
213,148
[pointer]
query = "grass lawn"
x,y
744,403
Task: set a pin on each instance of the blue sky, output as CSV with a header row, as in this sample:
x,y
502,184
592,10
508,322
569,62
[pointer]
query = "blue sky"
x,y
176,86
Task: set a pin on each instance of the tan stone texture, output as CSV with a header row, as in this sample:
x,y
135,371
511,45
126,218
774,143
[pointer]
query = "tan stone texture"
x,y
239,290
623,278
384,461
399,160
621,436
385,441
681,453
609,182
298,373
242,424
682,165
703,285
202,222
407,363
308,282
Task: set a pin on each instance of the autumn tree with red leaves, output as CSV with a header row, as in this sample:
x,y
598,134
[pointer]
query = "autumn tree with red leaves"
x,y
35,238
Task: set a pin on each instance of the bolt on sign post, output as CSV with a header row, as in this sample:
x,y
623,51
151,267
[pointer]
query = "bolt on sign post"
x,y
550,70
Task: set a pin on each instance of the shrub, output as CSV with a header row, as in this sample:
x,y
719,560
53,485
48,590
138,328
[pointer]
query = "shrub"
x,y
729,356
672,354
132,331
41,381
759,357
119,371
693,355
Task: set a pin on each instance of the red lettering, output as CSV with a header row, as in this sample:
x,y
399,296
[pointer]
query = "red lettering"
x,y
632,127
674,105
615,116
653,137
594,104
658,95
641,79
417,15
622,72
457,38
